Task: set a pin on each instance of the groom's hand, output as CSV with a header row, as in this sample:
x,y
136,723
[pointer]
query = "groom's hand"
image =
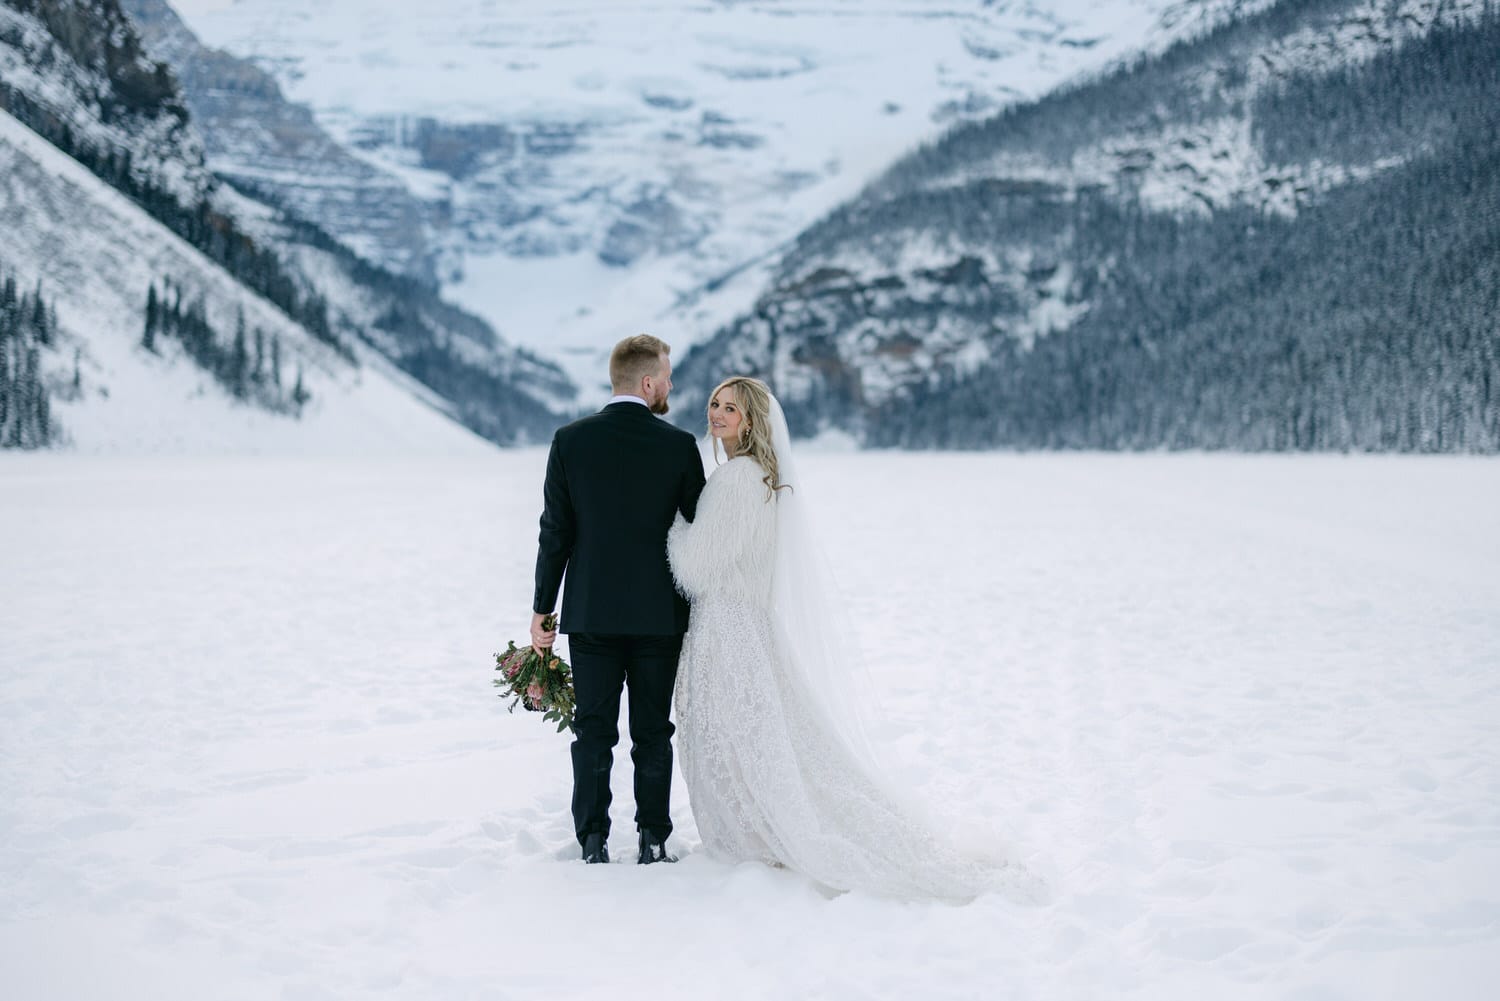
x,y
541,639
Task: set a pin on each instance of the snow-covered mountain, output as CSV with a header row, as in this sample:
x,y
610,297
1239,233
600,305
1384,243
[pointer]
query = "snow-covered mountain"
x,y
587,170
1227,239
253,136
1278,234
97,254
109,207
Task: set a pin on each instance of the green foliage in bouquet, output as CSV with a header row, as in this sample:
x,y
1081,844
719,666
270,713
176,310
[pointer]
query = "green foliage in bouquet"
x,y
541,682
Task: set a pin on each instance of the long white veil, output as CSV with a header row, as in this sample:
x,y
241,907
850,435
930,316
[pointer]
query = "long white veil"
x,y
822,643
825,660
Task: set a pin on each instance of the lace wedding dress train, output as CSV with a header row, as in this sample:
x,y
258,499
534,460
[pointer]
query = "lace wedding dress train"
x,y
768,776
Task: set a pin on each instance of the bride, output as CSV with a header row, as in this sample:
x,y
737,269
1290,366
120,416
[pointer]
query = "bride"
x,y
777,767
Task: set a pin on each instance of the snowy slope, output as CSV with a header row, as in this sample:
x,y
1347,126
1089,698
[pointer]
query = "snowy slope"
x,y
83,89
1242,708
253,136
97,253
606,167
1213,158
1054,221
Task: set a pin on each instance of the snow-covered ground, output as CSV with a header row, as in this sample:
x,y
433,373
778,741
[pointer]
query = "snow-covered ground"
x,y
1243,710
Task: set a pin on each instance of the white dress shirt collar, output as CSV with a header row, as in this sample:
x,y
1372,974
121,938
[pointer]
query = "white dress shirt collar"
x,y
628,399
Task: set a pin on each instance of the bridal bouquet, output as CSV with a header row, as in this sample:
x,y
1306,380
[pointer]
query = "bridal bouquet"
x,y
541,682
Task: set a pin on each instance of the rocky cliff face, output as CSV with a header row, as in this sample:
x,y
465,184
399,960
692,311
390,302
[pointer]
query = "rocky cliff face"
x,y
77,73
594,169
260,141
1197,249
81,94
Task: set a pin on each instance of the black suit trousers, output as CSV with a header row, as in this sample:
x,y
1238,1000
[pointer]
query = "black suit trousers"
x,y
603,666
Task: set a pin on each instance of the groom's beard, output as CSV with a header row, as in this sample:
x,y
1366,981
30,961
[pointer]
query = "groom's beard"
x,y
660,407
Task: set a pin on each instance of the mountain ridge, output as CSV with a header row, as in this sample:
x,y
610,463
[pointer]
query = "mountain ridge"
x,y
133,399
120,115
1014,303
598,169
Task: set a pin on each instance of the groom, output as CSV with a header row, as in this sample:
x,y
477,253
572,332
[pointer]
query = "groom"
x,y
615,481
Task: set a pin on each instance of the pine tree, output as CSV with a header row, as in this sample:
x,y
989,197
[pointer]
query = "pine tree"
x,y
153,320
239,359
39,316
7,390
299,392
27,324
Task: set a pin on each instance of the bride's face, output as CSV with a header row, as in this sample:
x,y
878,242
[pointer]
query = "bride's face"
x,y
724,416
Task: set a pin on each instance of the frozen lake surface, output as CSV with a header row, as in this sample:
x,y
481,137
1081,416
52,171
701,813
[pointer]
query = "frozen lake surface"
x,y
1244,712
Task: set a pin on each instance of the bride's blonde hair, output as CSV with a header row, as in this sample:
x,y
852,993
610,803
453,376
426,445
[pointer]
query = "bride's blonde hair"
x,y
754,399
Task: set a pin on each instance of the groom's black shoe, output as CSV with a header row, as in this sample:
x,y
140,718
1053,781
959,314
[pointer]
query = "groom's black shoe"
x,y
593,848
653,849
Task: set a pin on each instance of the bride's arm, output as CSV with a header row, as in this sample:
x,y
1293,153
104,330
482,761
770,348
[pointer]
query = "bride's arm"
x,y
728,521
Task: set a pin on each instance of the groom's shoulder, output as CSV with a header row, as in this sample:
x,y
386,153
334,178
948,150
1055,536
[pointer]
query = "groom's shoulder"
x,y
604,420
573,427
584,425
671,436
673,431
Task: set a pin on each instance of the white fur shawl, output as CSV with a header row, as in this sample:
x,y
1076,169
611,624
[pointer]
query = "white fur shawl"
x,y
731,544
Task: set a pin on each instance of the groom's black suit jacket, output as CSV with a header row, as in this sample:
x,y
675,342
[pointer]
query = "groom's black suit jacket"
x,y
615,481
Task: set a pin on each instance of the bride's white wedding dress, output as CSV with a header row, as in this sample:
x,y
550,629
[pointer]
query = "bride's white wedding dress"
x,y
769,773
